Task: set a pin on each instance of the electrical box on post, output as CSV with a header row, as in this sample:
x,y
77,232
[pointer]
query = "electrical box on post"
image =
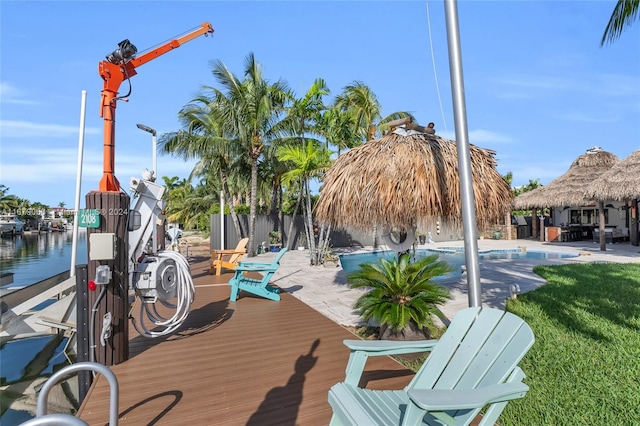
x,y
102,246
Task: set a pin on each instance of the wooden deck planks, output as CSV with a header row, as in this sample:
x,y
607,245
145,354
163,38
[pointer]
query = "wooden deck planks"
x,y
252,362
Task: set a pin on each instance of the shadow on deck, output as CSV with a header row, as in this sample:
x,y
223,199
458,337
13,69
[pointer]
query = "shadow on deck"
x,y
252,362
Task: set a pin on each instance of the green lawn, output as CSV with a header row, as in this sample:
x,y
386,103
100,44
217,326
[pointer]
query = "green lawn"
x,y
584,368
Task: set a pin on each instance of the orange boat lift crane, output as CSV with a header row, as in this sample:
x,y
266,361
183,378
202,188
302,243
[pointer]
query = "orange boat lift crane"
x,y
121,65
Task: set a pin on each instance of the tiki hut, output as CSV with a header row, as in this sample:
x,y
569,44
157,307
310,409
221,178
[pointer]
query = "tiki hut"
x,y
569,189
621,183
408,179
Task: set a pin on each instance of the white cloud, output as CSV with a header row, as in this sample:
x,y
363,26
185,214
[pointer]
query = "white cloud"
x,y
528,86
28,129
12,95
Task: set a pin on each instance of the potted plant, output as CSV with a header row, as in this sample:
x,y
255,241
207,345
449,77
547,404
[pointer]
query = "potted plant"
x,y
275,241
401,297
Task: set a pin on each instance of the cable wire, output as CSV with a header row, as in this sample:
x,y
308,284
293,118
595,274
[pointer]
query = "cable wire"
x,y
435,73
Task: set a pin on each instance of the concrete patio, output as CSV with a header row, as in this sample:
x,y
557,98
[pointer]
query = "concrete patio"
x,y
324,287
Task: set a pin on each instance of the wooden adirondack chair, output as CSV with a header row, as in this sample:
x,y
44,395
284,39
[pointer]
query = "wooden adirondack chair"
x,y
473,365
228,258
259,287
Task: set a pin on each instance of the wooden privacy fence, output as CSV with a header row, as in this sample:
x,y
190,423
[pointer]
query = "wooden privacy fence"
x,y
267,223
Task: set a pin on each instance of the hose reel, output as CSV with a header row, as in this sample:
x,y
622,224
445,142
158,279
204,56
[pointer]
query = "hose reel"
x,y
157,278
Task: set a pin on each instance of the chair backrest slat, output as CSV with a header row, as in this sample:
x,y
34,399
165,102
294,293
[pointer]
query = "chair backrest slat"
x,y
484,347
241,247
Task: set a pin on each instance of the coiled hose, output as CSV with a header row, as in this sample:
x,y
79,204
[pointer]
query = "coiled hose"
x,y
185,295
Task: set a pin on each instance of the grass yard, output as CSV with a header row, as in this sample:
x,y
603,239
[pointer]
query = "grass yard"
x,y
584,368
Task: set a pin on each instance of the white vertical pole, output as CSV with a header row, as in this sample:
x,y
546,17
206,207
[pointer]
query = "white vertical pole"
x,y
154,216
74,242
221,220
464,156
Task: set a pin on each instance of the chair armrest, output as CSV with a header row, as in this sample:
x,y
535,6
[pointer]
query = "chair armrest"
x,y
389,347
246,267
219,253
462,399
362,349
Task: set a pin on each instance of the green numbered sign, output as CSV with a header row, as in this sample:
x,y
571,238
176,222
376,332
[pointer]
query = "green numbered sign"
x,y
88,218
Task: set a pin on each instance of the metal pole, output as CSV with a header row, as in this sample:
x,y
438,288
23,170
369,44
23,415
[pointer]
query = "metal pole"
x,y
464,157
154,162
221,220
74,240
154,217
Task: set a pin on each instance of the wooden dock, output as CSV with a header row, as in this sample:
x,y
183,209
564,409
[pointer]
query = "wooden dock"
x,y
252,362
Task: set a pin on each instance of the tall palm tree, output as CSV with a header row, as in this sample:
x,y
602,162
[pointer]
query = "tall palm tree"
x,y
203,137
339,129
250,108
306,162
625,12
363,104
303,118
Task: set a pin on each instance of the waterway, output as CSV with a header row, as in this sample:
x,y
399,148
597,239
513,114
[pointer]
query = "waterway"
x,y
26,363
34,257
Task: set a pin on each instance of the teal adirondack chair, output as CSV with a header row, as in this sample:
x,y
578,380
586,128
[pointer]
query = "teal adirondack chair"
x,y
259,287
473,365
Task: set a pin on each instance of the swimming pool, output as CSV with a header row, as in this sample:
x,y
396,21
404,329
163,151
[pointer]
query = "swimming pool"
x,y
454,256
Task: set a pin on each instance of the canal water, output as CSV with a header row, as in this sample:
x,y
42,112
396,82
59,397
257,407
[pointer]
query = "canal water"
x,y
26,363
34,257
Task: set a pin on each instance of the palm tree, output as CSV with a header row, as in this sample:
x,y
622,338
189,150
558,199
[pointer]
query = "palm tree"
x,y
358,99
401,296
179,207
339,129
625,12
8,202
303,118
363,104
204,137
250,108
306,162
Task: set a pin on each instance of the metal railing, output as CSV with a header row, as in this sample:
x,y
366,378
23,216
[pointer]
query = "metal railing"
x,y
66,419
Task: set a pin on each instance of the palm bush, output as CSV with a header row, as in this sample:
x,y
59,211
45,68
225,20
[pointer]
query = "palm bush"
x,y
401,296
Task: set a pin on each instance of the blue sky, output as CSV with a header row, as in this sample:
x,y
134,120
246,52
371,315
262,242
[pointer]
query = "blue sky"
x,y
539,88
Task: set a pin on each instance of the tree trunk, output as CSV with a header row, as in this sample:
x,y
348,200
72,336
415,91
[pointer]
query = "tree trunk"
x,y
601,225
633,223
251,250
309,221
234,217
293,218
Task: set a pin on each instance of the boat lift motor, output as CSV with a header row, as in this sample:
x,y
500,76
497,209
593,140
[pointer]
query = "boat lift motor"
x,y
151,276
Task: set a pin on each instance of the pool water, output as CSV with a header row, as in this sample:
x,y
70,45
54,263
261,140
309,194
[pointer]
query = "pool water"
x,y
454,256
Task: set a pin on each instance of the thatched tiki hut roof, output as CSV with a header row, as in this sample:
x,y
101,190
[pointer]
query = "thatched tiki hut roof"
x,y
621,182
569,189
408,179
